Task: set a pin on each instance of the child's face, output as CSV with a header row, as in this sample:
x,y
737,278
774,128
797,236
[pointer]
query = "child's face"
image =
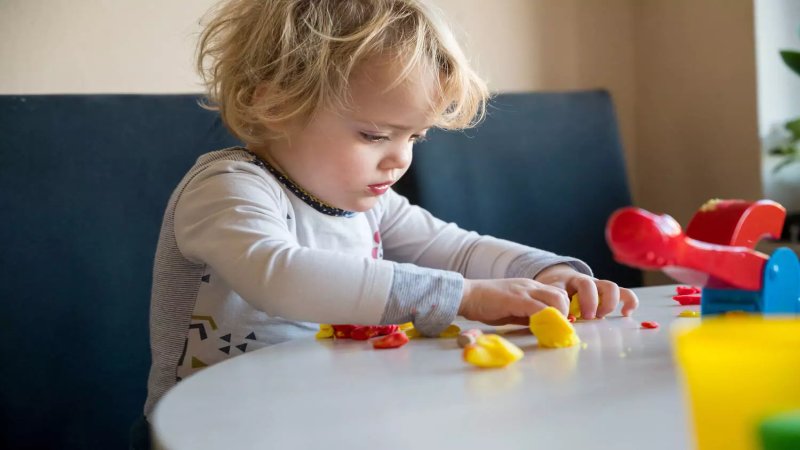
x,y
349,158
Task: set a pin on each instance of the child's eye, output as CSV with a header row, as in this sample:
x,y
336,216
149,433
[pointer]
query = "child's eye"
x,y
373,137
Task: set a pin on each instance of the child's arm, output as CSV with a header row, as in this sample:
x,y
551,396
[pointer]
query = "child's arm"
x,y
232,217
411,234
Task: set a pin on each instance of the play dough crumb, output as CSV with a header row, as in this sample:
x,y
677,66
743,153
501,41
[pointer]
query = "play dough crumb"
x,y
689,313
686,290
688,299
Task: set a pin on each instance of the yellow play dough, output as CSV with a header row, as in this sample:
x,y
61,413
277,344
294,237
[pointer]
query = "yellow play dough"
x,y
491,350
450,332
575,307
689,313
325,331
412,333
552,329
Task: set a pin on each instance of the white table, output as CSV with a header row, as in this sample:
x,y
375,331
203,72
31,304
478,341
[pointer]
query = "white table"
x,y
619,392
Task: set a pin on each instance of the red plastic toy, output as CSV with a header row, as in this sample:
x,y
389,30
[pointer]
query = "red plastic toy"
x,y
717,250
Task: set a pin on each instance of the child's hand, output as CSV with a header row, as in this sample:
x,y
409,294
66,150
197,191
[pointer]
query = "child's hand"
x,y
510,300
591,291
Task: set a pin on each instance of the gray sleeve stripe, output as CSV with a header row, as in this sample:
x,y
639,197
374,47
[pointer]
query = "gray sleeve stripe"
x,y
428,297
176,282
529,265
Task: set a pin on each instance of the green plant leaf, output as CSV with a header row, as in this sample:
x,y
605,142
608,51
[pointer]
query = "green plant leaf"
x,y
786,161
794,127
792,59
782,150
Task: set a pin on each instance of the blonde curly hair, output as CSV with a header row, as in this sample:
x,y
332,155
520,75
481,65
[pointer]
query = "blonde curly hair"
x,y
268,61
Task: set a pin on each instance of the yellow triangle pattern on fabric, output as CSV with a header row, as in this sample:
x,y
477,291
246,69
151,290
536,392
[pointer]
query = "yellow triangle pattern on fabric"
x,y
196,363
210,320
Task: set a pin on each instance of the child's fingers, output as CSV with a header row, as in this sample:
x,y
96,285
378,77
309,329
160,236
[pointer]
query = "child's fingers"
x,y
510,320
609,297
519,312
588,297
629,301
546,295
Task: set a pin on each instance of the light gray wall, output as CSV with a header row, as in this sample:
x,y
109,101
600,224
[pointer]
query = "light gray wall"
x,y
681,72
78,46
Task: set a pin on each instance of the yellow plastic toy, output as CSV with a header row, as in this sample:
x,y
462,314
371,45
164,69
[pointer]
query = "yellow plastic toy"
x,y
552,329
738,370
491,350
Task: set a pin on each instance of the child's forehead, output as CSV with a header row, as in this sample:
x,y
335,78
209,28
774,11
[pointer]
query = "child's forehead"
x,y
375,94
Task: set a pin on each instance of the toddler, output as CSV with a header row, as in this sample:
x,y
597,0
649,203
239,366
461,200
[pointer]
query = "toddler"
x,y
300,226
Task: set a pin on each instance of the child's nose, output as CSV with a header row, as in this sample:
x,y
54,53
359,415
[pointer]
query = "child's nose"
x,y
398,158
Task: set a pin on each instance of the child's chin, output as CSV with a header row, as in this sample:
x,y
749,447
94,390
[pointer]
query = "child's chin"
x,y
363,205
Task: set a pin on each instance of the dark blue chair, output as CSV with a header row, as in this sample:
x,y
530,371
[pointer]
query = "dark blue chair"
x,y
84,180
543,169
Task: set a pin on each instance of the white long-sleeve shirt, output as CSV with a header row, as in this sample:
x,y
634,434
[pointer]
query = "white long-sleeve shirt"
x,y
242,263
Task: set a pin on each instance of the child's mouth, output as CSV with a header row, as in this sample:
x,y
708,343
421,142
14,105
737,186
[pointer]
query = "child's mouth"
x,y
379,189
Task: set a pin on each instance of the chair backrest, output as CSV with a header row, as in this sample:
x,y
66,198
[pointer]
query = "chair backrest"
x,y
84,180
543,169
